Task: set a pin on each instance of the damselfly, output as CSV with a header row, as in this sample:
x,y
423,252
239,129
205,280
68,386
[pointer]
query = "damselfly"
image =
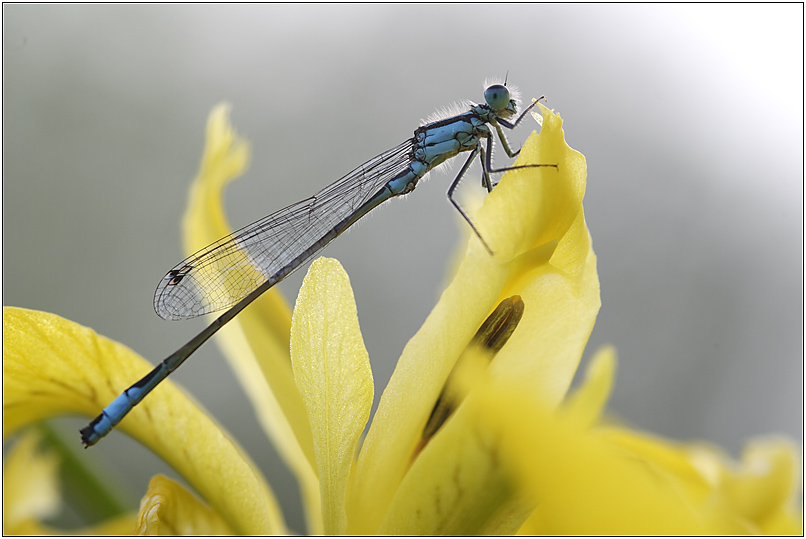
x,y
238,268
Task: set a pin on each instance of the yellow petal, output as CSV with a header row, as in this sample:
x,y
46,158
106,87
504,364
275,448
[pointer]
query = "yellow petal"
x,y
30,483
765,479
456,485
53,367
761,490
534,222
582,486
169,509
754,496
413,389
561,294
256,342
586,404
548,200
226,157
332,371
669,457
785,521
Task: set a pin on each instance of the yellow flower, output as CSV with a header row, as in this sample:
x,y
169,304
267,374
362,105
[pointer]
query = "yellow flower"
x,y
514,453
593,477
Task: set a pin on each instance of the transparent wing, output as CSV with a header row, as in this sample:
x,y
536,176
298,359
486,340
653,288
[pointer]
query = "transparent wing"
x,y
228,270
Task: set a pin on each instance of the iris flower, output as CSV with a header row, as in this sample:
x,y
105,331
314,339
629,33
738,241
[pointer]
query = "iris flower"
x,y
476,432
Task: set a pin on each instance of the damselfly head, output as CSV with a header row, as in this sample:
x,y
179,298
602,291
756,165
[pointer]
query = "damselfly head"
x,y
500,100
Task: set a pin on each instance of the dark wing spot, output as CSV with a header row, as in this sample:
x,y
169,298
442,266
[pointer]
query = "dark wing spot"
x,y
175,276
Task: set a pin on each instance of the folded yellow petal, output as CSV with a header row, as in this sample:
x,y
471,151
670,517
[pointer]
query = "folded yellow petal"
x,y
456,484
331,368
539,205
169,509
53,367
558,318
553,266
529,216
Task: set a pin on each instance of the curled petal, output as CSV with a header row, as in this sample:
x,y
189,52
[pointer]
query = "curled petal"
x,y
169,509
53,367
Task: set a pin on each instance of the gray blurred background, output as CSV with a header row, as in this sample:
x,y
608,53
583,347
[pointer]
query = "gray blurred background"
x,y
690,117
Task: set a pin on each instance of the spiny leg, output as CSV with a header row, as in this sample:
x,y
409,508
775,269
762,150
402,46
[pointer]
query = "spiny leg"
x,y
486,170
456,205
487,165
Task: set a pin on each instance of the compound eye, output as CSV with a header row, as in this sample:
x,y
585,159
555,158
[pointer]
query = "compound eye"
x,y
497,96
